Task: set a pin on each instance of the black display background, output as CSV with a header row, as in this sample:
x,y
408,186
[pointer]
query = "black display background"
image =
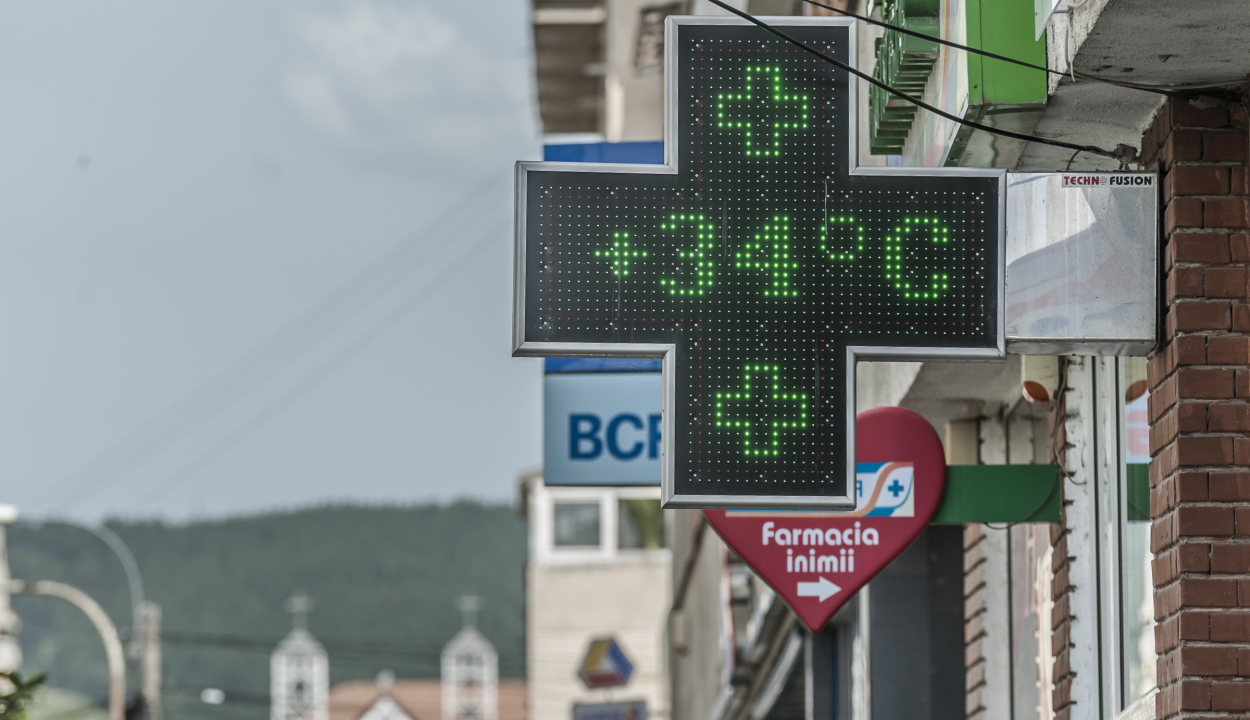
x,y
572,296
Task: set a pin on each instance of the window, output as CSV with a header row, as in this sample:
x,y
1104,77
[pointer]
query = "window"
x,y
649,52
639,524
1135,596
1032,661
1125,582
1029,560
577,524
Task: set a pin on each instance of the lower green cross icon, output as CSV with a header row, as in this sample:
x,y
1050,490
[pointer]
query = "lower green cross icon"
x,y
761,410
620,253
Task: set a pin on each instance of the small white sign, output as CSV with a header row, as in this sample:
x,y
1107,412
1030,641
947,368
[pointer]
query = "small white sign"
x,y
1085,180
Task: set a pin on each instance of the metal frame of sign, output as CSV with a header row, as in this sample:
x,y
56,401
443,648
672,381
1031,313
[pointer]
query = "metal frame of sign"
x,y
667,353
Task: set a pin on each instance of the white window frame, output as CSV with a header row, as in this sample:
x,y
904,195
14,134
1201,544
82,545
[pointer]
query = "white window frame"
x,y
1112,509
542,529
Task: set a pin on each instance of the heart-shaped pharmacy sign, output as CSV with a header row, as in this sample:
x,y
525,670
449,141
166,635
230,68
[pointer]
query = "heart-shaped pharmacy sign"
x,y
816,561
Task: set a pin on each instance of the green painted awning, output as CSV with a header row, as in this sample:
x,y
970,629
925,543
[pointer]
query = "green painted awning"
x,y
1000,494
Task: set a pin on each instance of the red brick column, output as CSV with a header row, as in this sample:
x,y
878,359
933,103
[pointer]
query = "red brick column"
x,y
1200,416
1060,585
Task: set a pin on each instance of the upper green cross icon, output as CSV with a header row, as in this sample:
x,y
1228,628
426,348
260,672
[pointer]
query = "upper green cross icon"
x,y
763,410
762,110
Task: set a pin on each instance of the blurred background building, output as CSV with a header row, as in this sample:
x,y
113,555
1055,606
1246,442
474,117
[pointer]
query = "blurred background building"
x,y
598,568
469,687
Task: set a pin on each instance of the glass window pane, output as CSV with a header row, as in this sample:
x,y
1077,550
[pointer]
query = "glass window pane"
x,y
1137,440
577,524
1137,613
640,524
1137,651
1030,620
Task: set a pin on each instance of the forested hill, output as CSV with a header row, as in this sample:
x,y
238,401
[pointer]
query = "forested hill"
x,y
383,579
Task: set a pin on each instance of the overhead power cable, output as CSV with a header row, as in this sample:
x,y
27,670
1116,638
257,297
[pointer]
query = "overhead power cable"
x,y
322,371
231,695
89,706
416,647
1123,153
416,658
421,661
265,360
1168,90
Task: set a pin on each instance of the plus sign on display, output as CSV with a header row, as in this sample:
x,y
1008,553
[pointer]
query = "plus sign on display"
x,y
760,262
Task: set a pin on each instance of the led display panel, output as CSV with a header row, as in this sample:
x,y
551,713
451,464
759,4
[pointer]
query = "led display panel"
x,y
756,258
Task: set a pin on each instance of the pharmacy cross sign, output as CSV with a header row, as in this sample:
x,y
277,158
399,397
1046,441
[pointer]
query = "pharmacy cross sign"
x,y
759,263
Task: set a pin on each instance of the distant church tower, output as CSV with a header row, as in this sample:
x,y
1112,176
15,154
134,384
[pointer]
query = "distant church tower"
x,y
299,673
470,671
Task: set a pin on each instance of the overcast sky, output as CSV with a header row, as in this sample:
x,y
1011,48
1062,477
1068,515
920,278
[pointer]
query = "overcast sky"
x,y
256,254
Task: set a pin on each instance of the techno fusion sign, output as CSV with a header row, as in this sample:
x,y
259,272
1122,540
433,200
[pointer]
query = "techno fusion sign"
x,y
758,263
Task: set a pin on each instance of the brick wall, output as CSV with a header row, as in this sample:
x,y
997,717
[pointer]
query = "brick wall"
x,y
1200,415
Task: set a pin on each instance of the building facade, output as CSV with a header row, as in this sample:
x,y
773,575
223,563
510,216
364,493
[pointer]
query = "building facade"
x,y
1137,603
299,671
470,671
597,568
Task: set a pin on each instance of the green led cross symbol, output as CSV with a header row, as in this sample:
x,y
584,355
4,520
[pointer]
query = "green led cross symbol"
x,y
763,105
761,410
620,253
760,262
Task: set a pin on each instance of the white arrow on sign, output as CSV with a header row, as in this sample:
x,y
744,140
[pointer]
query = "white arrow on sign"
x,y
822,589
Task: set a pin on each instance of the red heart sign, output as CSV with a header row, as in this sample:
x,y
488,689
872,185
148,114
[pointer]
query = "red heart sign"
x,y
816,561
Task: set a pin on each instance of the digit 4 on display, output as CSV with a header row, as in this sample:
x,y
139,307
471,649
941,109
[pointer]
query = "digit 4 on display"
x,y
759,263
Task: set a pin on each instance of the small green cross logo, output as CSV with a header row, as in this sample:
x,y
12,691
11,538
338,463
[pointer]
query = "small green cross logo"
x,y
762,111
620,253
761,410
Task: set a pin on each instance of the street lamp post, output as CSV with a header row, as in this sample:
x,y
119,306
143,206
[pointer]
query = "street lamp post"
x,y
103,625
145,622
10,651
127,559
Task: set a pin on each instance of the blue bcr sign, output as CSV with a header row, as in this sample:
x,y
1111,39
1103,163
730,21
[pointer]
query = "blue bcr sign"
x,y
602,423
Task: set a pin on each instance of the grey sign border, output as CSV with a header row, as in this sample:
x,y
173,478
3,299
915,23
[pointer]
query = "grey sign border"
x,y
668,353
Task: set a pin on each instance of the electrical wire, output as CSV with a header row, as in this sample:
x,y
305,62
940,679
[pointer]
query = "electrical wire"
x,y
271,641
314,335
232,695
420,649
942,41
1175,91
90,705
413,658
1123,154
265,360
337,361
1156,88
215,712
